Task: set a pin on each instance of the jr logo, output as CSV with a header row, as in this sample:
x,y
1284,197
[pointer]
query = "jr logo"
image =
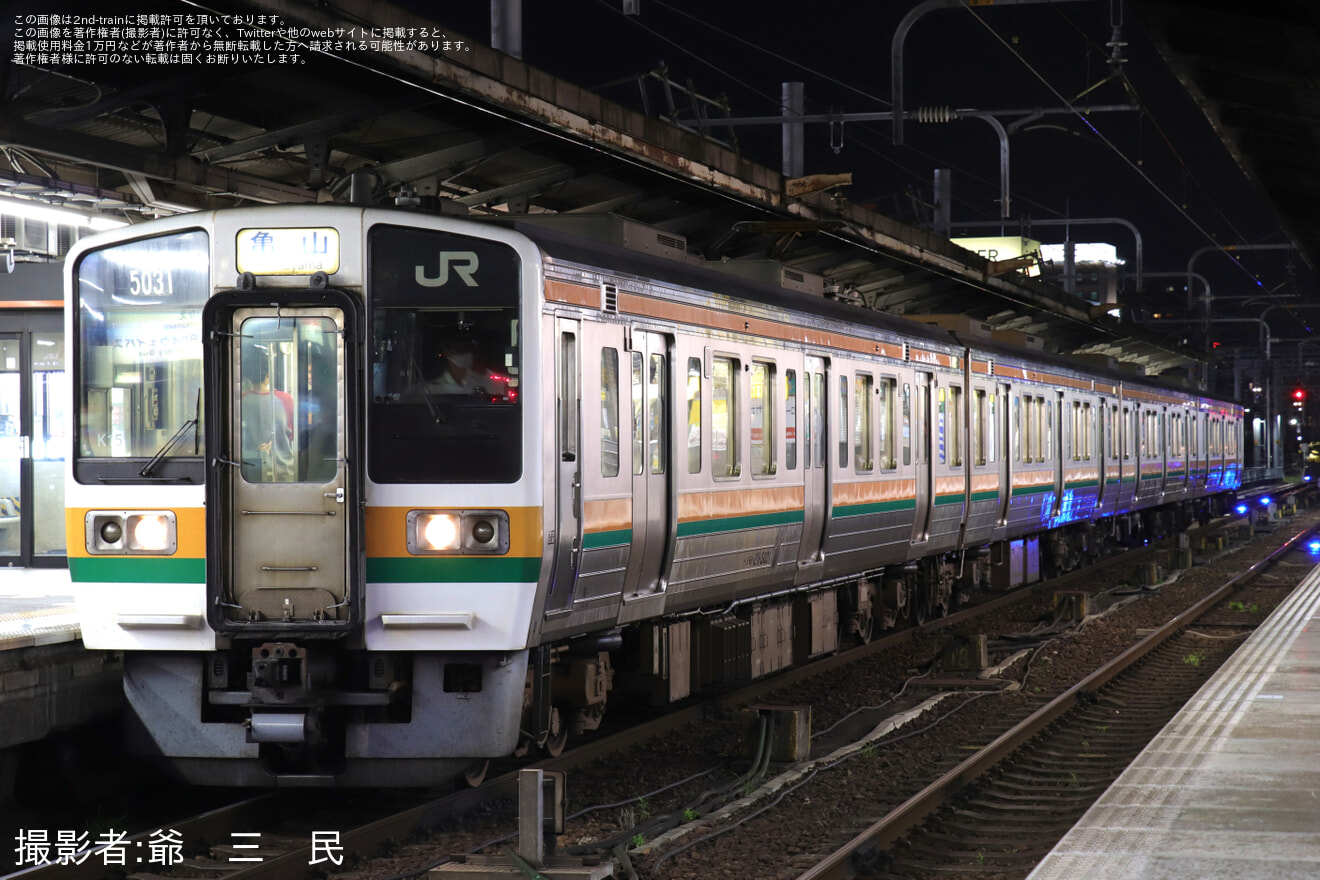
x,y
464,264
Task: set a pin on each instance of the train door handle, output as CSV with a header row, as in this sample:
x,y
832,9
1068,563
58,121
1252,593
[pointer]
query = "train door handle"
x,y
338,495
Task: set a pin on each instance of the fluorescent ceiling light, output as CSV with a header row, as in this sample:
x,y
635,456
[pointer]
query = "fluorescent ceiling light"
x,y
51,214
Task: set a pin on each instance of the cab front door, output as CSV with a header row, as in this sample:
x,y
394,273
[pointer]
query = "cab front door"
x,y
283,534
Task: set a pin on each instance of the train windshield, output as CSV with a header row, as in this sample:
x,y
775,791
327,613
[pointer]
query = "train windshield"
x,y
446,403
139,361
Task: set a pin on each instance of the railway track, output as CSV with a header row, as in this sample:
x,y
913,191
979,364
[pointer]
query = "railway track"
x,y
1000,811
288,853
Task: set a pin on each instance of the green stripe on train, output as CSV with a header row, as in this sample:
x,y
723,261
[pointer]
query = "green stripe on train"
x,y
738,523
136,570
452,569
874,507
615,538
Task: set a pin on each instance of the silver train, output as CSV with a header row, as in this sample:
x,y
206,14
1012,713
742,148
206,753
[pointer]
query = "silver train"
x,y
368,496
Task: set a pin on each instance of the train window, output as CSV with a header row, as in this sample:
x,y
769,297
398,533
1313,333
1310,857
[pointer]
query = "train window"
x,y
790,419
1112,433
139,354
1035,413
955,426
657,404
863,442
762,418
638,408
978,422
724,376
609,412
907,424
991,429
568,396
939,426
888,391
1126,430
694,415
1075,446
1088,431
1018,433
288,425
818,417
444,345
1030,429
843,421
1047,448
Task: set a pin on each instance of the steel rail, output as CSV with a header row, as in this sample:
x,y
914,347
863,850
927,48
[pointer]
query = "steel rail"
x,y
837,866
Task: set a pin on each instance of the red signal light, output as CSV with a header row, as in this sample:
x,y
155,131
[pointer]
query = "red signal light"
x,y
1299,394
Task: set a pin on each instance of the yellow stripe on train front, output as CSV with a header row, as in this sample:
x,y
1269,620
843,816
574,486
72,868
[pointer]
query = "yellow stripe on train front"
x,y
190,522
387,530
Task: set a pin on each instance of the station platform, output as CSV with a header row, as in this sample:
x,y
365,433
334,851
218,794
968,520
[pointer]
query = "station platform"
x,y
36,607
1231,787
48,681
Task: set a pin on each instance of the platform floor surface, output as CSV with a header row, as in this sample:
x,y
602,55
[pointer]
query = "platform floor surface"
x,y
36,607
1231,787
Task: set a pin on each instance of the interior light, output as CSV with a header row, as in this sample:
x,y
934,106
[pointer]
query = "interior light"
x,y
51,214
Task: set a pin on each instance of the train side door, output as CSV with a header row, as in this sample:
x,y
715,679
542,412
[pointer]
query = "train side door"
x,y
1006,440
814,456
1102,451
1057,448
921,454
648,368
568,465
282,534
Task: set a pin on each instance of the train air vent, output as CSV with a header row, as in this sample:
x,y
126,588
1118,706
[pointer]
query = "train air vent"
x,y
609,299
772,273
615,230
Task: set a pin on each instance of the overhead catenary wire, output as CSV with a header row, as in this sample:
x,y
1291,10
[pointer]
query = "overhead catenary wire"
x,y
923,178
1111,145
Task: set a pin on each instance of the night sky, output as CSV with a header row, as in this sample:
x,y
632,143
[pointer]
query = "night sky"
x,y
1194,195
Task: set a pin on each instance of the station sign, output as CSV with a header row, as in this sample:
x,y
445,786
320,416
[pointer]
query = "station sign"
x,y
1001,247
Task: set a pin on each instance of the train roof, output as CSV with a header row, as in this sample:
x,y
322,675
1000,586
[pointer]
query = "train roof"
x,y
587,251
560,244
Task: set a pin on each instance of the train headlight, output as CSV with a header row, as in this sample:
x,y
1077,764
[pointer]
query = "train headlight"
x,y
130,532
437,533
458,532
149,532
